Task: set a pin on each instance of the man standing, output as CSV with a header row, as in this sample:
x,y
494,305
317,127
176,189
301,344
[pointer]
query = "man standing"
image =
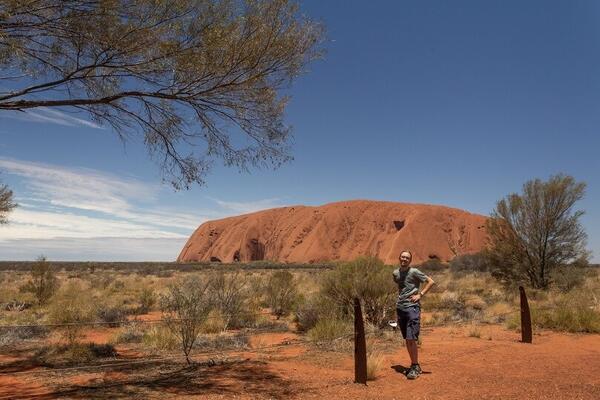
x,y
408,307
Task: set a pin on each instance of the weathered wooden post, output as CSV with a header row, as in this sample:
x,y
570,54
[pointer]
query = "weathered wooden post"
x,y
360,345
526,333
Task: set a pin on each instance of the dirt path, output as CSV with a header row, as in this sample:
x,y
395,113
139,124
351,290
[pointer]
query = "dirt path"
x,y
495,366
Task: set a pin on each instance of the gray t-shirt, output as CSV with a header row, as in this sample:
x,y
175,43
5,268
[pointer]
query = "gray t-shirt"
x,y
408,284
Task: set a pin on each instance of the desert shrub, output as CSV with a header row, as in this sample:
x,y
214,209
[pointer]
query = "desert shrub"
x,y
307,314
146,299
281,292
222,341
366,278
476,262
433,265
568,277
101,280
460,306
43,282
71,306
13,335
131,332
329,329
500,312
159,337
474,332
375,362
214,323
112,315
265,323
572,313
117,285
228,293
185,307
76,353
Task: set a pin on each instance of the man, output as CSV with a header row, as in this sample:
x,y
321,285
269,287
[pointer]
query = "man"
x,y
408,307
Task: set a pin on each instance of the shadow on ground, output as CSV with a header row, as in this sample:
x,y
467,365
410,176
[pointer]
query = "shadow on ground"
x,y
229,378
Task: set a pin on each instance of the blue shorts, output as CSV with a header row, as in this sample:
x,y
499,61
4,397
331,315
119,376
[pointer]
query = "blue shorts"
x,y
409,321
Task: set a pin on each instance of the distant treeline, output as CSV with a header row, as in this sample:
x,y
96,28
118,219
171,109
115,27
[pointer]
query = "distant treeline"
x,y
153,267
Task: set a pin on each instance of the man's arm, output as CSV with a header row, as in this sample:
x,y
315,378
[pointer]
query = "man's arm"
x,y
416,297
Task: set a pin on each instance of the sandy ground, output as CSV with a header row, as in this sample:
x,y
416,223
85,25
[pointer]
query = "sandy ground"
x,y
457,366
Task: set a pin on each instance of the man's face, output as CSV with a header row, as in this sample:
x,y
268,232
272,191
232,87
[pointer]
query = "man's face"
x,y
405,259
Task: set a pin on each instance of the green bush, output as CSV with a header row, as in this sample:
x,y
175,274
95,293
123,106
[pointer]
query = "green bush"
x,y
229,294
112,315
307,314
160,337
147,300
43,283
281,292
568,277
368,279
329,329
71,306
573,313
476,262
185,308
132,332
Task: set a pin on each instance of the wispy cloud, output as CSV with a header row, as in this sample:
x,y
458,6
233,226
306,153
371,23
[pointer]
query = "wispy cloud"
x,y
75,210
77,187
83,203
51,116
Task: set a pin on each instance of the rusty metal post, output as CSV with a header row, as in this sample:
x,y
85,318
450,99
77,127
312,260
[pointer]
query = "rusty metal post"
x,y
526,332
360,345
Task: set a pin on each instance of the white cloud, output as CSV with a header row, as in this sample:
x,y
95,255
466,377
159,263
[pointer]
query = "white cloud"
x,y
52,116
78,188
84,214
31,224
59,202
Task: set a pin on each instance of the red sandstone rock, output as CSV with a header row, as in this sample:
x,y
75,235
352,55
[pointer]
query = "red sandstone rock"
x,y
339,231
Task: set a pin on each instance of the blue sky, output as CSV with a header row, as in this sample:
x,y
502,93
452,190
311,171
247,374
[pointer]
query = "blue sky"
x,y
454,103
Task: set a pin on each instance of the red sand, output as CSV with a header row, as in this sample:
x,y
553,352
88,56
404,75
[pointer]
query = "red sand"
x,y
555,366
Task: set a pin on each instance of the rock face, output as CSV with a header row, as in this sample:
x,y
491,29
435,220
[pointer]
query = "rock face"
x,y
339,231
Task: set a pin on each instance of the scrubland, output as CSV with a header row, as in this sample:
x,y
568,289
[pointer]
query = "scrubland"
x,y
89,316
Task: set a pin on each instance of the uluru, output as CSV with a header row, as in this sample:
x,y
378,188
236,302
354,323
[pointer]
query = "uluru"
x,y
337,232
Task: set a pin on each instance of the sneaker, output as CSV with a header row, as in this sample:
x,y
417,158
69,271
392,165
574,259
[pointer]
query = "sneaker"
x,y
414,372
418,368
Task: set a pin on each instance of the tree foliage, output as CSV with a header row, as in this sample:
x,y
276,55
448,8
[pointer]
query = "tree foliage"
x,y
537,231
281,292
366,278
6,203
43,283
185,307
198,80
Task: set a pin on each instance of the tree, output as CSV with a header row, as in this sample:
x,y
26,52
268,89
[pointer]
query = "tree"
x,y
281,292
43,283
533,233
185,307
6,203
366,278
199,75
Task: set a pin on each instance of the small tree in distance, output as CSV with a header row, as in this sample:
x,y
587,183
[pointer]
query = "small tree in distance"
x,y
43,283
537,231
6,203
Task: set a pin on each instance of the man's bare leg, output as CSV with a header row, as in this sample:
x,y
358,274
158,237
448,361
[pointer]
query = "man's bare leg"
x,y
413,352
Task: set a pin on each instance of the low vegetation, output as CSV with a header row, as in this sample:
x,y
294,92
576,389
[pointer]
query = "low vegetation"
x,y
199,312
